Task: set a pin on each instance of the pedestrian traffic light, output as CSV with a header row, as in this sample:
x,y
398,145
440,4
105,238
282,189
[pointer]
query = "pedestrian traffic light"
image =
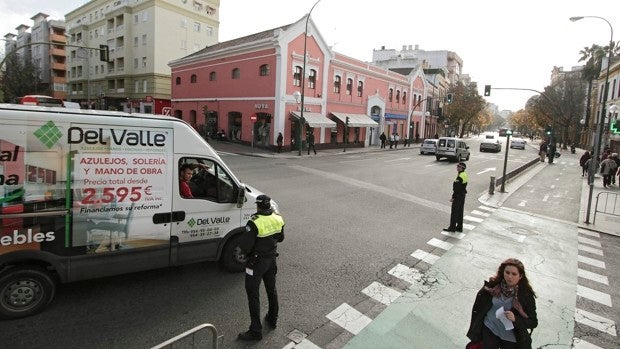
x,y
615,126
104,53
347,121
487,90
449,98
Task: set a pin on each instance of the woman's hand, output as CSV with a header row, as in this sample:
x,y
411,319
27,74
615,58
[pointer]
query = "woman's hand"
x,y
510,316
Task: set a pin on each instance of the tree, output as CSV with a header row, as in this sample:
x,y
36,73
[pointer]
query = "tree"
x,y
466,106
21,77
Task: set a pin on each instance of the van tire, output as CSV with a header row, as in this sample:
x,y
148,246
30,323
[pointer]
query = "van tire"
x,y
438,158
25,291
231,259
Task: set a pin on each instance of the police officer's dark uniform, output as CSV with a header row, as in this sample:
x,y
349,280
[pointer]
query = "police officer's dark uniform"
x,y
459,189
259,242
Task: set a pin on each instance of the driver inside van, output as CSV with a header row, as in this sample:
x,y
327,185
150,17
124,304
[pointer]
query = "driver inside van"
x,y
186,171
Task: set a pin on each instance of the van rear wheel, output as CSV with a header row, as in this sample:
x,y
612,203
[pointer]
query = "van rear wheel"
x,y
25,291
232,259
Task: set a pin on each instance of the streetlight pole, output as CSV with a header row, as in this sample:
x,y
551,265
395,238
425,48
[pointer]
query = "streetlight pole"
x,y
597,149
303,78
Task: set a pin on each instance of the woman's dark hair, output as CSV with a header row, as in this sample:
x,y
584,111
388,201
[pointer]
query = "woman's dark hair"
x,y
524,283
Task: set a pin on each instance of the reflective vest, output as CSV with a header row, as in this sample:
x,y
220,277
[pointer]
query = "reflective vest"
x,y
464,177
268,225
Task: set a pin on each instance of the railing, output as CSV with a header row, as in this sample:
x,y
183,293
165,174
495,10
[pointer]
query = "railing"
x,y
610,205
170,342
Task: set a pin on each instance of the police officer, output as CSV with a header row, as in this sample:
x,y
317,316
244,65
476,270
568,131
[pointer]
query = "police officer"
x,y
459,189
259,243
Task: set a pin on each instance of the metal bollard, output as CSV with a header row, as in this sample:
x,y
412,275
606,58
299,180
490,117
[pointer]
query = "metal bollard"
x,y
492,186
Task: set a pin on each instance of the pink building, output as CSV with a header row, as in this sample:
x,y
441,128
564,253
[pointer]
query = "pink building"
x,y
250,89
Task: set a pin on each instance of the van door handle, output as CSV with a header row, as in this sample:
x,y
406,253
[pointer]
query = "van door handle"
x,y
163,218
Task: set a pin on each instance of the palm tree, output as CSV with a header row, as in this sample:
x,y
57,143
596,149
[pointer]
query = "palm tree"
x,y
593,56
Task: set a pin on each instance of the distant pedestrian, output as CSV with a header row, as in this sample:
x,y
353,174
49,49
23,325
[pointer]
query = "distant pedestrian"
x,y
396,140
459,190
542,151
259,243
417,137
509,289
383,138
310,141
279,141
608,170
436,136
582,162
614,157
391,141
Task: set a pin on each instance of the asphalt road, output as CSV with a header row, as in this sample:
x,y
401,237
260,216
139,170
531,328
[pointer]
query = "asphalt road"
x,y
349,217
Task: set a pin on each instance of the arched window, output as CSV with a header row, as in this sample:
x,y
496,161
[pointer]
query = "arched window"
x,y
390,94
178,80
193,79
212,76
349,86
263,70
297,76
404,97
360,88
236,73
337,84
312,79
397,96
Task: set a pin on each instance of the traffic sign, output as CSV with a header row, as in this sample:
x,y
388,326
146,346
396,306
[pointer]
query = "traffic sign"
x,y
253,118
166,111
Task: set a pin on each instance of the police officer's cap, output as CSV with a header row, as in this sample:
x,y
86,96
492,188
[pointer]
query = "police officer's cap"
x,y
462,165
263,200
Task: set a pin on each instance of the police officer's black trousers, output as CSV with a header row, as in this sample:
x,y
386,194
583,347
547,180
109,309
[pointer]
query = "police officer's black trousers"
x,y
265,269
456,215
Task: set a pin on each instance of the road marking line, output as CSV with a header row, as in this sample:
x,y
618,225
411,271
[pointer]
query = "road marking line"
x,y
490,209
381,293
468,226
479,213
592,276
349,318
579,343
425,256
589,241
453,234
588,232
589,249
545,198
594,295
403,272
522,203
473,219
304,344
591,261
595,321
440,244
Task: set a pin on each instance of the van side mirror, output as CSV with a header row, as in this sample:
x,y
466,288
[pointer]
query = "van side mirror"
x,y
240,196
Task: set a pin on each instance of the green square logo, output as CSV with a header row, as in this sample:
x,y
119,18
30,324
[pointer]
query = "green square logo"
x,y
48,134
191,223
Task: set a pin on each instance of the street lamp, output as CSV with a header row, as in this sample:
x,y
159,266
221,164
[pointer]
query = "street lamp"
x,y
597,149
303,75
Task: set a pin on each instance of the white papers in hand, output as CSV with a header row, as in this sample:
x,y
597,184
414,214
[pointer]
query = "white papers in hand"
x,y
500,314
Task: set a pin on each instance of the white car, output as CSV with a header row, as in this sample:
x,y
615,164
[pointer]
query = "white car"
x,y
429,146
518,143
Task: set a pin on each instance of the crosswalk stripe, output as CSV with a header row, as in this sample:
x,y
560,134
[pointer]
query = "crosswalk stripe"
x,y
479,213
403,272
468,226
304,344
425,256
579,343
589,249
589,241
595,321
591,261
592,276
473,219
381,293
588,232
486,208
349,318
453,234
440,243
594,295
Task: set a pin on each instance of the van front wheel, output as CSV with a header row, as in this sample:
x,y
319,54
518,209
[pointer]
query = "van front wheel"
x,y
25,291
232,259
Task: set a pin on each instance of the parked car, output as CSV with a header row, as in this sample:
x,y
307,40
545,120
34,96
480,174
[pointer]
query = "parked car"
x,y
490,136
490,145
518,143
429,146
452,148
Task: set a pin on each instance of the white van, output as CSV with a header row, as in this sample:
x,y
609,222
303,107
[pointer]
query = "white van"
x,y
89,194
454,149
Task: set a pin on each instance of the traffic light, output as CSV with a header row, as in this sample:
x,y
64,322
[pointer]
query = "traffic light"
x,y
615,126
104,53
548,130
347,121
487,90
449,98
508,132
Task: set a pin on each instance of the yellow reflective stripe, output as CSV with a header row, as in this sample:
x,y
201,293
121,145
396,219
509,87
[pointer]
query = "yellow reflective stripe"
x,y
464,177
269,225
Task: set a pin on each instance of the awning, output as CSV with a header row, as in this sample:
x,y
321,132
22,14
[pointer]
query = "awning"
x,y
315,119
356,120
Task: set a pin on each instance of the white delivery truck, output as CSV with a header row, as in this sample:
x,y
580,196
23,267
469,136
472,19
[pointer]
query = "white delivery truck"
x,y
89,194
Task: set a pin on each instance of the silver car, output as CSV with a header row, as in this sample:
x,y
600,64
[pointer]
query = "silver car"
x,y
490,145
429,146
518,143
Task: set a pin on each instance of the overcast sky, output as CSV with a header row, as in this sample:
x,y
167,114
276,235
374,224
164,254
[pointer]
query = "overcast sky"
x,y
502,43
